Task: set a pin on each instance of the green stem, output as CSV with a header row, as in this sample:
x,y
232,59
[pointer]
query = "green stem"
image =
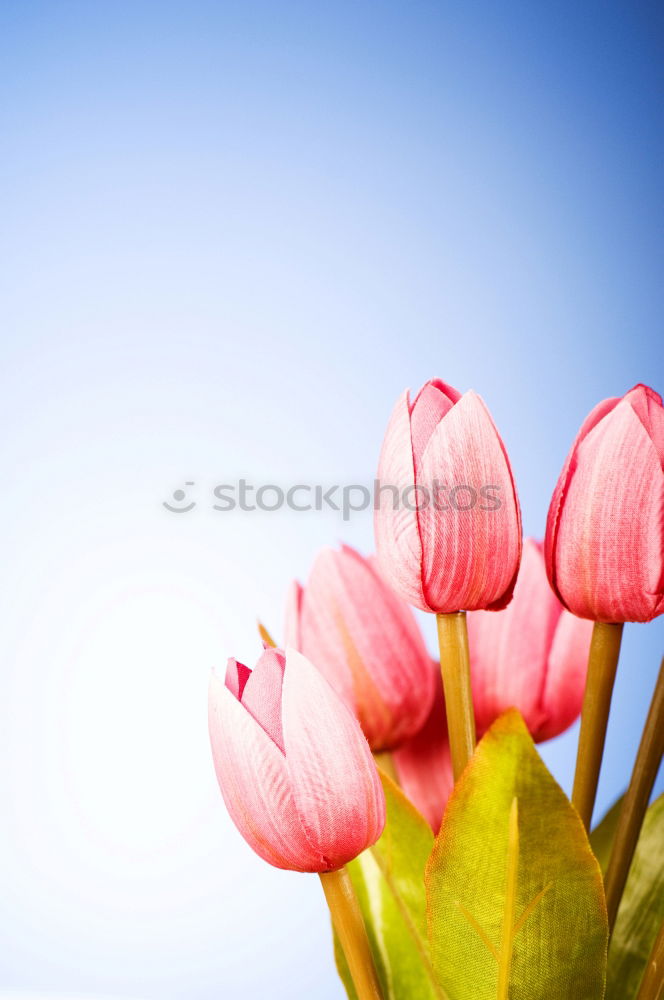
x,y
507,939
602,666
636,800
349,925
652,984
455,668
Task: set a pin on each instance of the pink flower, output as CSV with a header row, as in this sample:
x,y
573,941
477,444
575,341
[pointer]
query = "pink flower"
x,y
366,642
424,764
531,656
448,525
604,543
294,769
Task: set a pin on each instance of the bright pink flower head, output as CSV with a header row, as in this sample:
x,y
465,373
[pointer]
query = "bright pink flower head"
x,y
531,656
366,642
294,769
424,764
604,543
449,535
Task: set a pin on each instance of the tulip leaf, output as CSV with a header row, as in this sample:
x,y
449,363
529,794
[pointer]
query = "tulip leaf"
x,y
641,911
514,894
389,882
601,839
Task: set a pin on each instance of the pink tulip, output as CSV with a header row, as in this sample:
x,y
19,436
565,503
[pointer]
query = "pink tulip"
x,y
366,642
424,765
531,656
605,531
294,769
448,525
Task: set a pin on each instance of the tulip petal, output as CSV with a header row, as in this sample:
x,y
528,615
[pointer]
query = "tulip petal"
x,y
553,516
565,683
509,649
365,641
532,656
424,764
321,624
395,520
255,783
261,695
647,404
432,402
389,644
609,544
471,554
409,621
335,783
237,676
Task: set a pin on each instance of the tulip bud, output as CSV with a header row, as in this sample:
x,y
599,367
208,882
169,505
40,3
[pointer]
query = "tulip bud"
x,y
294,769
366,642
448,536
424,764
532,656
605,530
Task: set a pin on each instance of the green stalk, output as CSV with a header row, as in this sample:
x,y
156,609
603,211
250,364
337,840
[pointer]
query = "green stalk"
x,y
652,984
635,803
602,666
455,668
349,925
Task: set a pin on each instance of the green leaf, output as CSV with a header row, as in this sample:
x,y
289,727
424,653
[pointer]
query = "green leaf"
x,y
641,911
601,839
515,897
389,881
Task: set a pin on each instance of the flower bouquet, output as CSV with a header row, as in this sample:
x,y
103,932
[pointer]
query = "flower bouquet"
x,y
454,866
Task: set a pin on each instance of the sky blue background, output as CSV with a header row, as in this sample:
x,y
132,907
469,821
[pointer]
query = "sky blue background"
x,y
231,235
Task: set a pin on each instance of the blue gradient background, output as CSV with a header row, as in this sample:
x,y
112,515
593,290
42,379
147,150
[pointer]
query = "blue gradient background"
x,y
231,235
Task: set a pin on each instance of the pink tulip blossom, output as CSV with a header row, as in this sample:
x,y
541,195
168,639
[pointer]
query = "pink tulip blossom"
x,y
605,531
366,642
294,769
531,656
424,764
448,525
